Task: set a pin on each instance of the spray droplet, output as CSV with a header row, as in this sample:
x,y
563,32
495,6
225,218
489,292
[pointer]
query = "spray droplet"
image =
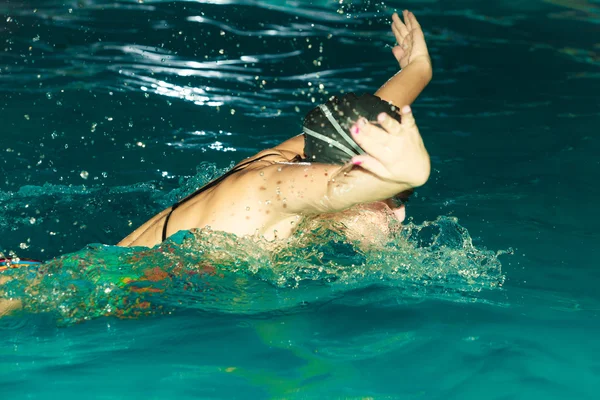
x,y
84,174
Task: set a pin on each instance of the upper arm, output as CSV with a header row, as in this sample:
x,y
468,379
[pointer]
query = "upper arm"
x,y
302,188
294,145
286,151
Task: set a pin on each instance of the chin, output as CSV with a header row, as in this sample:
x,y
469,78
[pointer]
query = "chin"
x,y
400,213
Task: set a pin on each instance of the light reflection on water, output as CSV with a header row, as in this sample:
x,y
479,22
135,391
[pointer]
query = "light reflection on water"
x,y
84,83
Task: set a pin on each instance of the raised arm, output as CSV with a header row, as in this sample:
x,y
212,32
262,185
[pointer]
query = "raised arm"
x,y
412,55
321,188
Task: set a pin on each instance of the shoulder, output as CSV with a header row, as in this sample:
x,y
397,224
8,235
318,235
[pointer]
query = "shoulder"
x,y
268,157
289,187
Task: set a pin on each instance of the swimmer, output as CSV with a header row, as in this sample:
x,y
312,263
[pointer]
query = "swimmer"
x,y
355,152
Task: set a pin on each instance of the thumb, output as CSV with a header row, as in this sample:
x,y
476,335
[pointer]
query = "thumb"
x,y
398,52
371,164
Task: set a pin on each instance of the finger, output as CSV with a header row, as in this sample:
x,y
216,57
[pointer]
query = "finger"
x,y
391,125
397,34
371,138
413,22
408,119
371,164
400,25
407,20
370,131
398,52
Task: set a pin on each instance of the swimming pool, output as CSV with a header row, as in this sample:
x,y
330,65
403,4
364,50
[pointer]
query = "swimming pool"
x,y
112,111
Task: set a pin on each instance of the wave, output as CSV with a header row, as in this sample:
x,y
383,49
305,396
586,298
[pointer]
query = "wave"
x,y
218,272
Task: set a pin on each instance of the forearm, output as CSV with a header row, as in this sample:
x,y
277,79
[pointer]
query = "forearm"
x,y
322,188
404,87
357,186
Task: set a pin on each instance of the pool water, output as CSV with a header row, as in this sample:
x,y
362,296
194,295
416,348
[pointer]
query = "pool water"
x,y
111,111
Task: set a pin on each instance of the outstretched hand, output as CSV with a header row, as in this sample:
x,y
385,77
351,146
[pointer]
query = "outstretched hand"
x,y
410,40
395,153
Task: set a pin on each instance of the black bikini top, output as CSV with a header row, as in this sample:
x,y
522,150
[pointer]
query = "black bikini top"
x,y
213,183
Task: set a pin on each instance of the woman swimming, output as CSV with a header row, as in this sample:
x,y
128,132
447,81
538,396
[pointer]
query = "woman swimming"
x,y
342,160
341,163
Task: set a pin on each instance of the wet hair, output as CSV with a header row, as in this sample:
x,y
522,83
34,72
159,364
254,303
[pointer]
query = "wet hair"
x,y
327,137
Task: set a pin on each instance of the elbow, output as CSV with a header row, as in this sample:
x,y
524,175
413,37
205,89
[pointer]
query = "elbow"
x,y
422,173
337,197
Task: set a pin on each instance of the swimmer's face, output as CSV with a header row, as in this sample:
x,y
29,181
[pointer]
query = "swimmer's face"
x,y
397,204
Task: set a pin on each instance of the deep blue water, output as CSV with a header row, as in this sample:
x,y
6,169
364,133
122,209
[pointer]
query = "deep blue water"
x,y
110,111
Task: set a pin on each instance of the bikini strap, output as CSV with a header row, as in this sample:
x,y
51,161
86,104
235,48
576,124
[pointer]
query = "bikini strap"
x,y
212,184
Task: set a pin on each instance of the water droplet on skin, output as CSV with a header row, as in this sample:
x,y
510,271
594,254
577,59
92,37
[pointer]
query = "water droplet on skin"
x,y
247,208
262,173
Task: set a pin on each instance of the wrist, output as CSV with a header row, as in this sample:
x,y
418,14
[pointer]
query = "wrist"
x,y
422,66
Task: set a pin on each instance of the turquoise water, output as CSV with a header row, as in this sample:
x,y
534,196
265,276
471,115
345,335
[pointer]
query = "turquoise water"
x,y
110,111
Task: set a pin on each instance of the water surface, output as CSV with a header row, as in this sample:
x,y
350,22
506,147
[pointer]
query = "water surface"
x,y
111,111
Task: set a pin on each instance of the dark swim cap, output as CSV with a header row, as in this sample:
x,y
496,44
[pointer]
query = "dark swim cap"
x,y
327,137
